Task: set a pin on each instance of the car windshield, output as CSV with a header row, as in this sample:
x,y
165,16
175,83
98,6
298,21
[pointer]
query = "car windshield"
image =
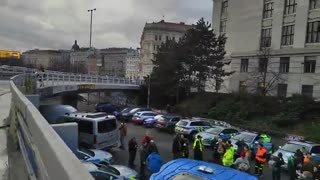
x,y
182,123
248,138
134,110
126,110
292,147
89,152
214,130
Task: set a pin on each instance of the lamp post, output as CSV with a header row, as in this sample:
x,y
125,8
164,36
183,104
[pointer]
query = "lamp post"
x,y
148,105
91,10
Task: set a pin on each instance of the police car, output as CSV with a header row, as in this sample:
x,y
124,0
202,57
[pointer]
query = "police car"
x,y
211,135
190,127
183,169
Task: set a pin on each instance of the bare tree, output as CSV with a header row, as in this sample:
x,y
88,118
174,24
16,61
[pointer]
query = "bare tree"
x,y
265,76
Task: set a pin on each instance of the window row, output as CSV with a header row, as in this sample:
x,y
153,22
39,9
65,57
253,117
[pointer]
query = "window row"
x,y
282,89
159,38
309,64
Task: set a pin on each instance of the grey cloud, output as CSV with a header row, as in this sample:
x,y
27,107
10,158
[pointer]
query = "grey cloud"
x,y
57,23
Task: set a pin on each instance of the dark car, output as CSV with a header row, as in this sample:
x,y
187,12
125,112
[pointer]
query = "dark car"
x,y
167,122
54,114
107,108
124,111
127,116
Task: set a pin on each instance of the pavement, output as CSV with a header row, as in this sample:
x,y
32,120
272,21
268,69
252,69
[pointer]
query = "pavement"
x,y
164,144
5,101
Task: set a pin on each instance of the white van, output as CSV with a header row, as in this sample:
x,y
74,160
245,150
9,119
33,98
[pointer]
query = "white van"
x,y
96,130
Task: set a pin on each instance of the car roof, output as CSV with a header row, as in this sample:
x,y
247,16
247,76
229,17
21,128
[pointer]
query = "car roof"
x,y
142,112
175,167
249,133
303,143
87,116
90,166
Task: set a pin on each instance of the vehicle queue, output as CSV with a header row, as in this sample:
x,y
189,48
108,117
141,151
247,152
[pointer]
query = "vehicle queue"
x,y
232,148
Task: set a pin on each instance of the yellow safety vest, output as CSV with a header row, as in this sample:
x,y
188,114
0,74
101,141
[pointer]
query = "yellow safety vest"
x,y
227,159
195,143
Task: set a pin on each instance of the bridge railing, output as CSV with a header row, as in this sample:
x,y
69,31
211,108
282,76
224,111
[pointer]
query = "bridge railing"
x,y
46,156
53,79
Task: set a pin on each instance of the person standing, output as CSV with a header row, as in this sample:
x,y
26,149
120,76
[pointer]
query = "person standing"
x,y
241,163
276,169
292,167
154,163
123,134
247,152
176,147
133,146
261,158
227,159
198,148
185,147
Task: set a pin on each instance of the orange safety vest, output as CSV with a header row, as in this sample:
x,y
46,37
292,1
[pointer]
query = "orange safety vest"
x,y
261,152
306,159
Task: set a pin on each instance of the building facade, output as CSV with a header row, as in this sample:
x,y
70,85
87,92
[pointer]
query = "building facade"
x,y
153,35
113,61
132,64
272,45
42,58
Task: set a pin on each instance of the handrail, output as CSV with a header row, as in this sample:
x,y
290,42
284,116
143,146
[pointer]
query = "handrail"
x,y
46,155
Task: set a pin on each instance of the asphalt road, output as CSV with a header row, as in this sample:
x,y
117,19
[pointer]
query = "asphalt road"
x,y
164,144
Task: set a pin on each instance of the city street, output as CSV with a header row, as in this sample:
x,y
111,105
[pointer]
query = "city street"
x,y
164,144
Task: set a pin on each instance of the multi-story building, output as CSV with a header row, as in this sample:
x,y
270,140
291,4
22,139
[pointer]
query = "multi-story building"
x,y
278,39
153,35
113,61
132,64
41,58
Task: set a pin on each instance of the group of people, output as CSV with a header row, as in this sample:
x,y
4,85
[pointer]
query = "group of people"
x,y
299,165
150,159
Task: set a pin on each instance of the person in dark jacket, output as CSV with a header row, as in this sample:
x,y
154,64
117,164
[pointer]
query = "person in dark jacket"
x,y
185,147
240,149
276,170
133,146
177,147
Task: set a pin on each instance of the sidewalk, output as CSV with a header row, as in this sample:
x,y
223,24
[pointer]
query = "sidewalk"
x,y
5,102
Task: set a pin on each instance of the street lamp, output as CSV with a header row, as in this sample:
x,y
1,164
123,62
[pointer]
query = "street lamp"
x,y
148,105
91,10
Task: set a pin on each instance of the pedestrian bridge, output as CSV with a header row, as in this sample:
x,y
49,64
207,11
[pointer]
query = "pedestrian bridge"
x,y
45,154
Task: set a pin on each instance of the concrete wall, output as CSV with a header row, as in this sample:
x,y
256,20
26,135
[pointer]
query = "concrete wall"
x,y
54,159
68,132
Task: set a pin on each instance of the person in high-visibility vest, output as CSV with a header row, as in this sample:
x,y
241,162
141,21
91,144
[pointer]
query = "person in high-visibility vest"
x,y
261,159
227,159
198,148
265,138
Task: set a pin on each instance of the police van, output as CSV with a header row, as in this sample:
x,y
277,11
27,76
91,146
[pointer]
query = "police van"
x,y
96,130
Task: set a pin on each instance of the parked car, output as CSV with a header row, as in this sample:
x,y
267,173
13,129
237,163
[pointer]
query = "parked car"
x,y
114,172
96,130
124,111
127,116
290,148
167,122
150,122
107,108
54,114
190,127
198,170
252,139
139,117
211,135
94,156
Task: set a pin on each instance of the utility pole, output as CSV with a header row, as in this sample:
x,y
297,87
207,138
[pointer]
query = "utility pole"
x,y
91,10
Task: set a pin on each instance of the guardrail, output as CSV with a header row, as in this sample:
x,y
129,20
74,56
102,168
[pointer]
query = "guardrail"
x,y
46,155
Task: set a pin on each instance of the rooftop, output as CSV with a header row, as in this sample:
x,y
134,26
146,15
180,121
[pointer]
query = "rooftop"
x,y
167,26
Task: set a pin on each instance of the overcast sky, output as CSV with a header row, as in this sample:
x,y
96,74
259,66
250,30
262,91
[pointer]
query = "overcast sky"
x,y
55,24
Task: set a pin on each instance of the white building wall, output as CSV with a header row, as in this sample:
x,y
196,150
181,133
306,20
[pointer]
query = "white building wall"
x,y
244,24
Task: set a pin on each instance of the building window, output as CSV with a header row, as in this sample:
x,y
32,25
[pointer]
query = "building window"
x,y
224,8
244,65
282,90
284,64
313,32
287,35
242,87
310,64
267,9
314,4
266,37
156,37
223,26
290,7
167,38
263,64
159,37
307,90
174,38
